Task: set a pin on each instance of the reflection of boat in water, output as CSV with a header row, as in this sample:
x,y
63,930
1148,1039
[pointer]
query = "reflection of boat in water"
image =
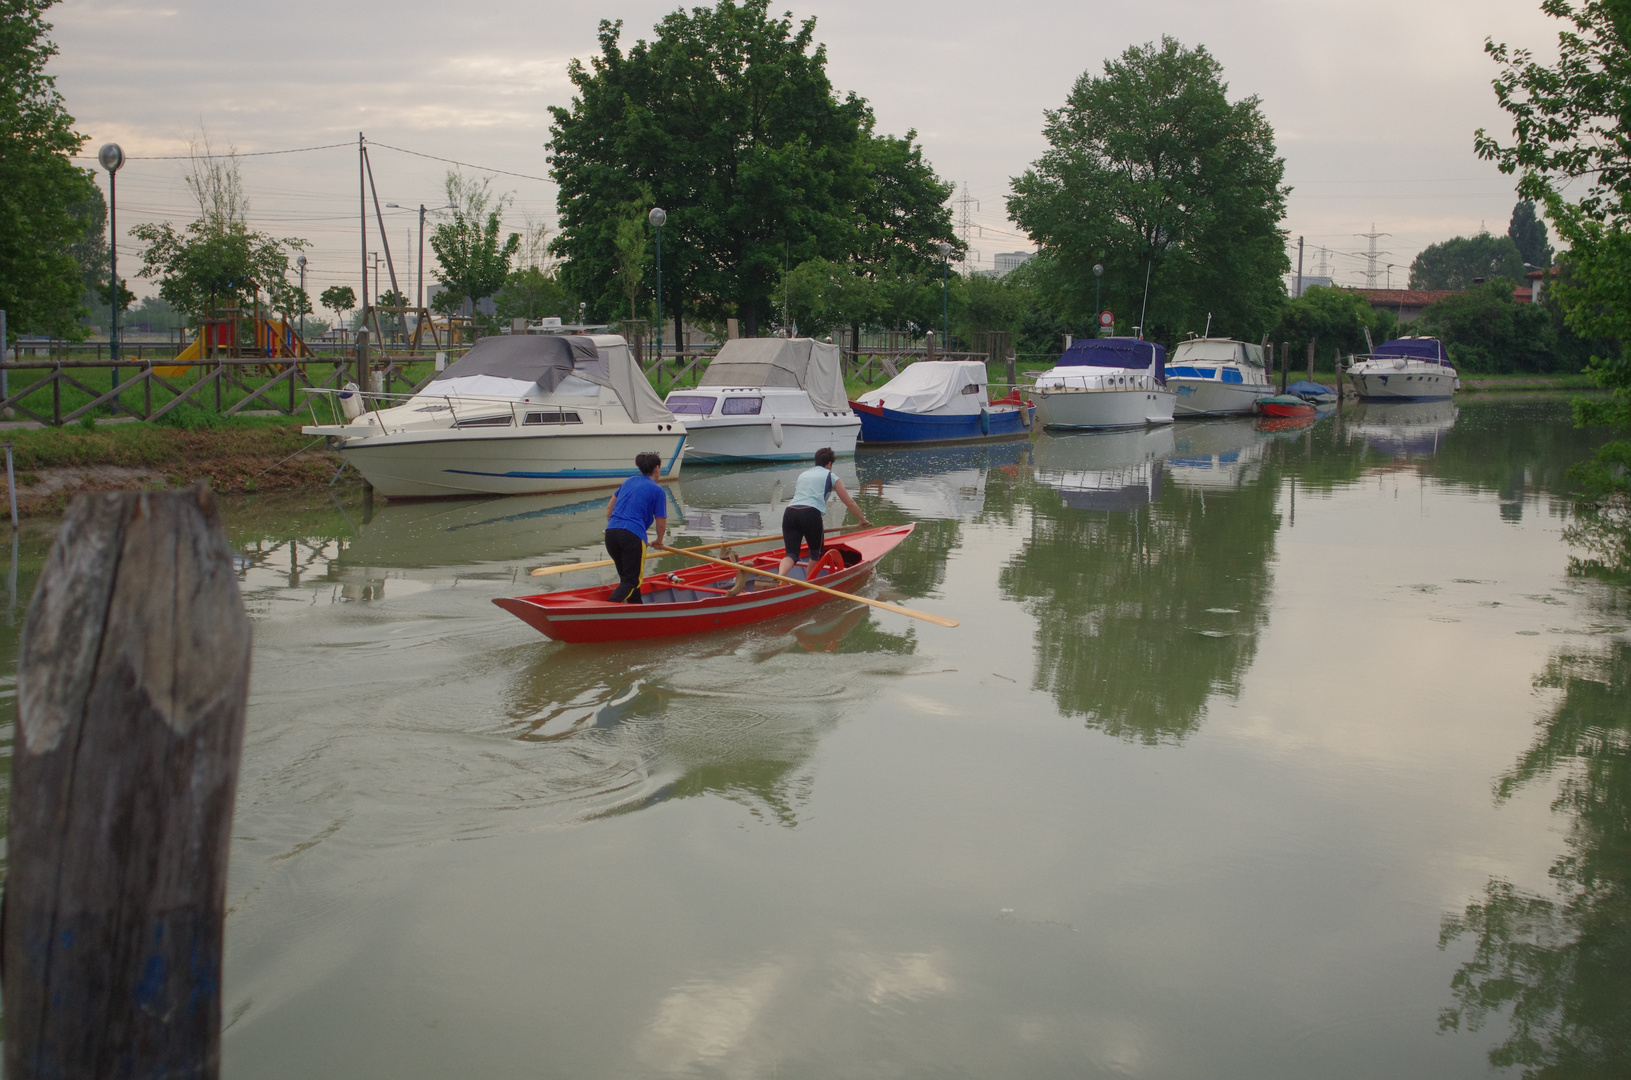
x,y
1112,470
1279,425
425,534
1215,454
728,502
698,599
1404,429
945,484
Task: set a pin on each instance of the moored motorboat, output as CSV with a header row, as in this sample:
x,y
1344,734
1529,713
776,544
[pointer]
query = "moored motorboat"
x,y
516,415
1105,383
1405,369
1217,377
1312,392
768,399
939,401
697,598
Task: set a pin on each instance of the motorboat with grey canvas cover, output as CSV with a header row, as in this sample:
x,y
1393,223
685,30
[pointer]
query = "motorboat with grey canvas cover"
x,y
768,399
521,414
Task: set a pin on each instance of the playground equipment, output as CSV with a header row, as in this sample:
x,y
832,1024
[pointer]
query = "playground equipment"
x,y
273,340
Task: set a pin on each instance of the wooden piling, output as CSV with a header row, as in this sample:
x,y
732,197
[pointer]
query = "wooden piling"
x,y
131,689
362,360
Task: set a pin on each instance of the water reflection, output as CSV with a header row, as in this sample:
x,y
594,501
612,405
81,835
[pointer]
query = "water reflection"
x,y
944,483
1405,429
1113,470
1147,600
1560,965
1216,454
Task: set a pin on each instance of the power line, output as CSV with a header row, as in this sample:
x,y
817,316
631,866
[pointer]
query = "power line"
x,y
465,164
234,153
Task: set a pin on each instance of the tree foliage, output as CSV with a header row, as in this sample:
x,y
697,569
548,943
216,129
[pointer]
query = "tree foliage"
x,y
1487,331
472,260
1462,260
1151,169
1528,231
531,293
728,121
1335,320
1571,128
338,299
45,199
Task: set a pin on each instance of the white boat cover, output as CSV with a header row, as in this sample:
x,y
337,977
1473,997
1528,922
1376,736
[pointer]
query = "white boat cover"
x,y
816,367
933,386
530,365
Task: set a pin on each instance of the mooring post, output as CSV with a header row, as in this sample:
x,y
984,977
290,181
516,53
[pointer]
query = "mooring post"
x,y
132,681
1310,359
362,362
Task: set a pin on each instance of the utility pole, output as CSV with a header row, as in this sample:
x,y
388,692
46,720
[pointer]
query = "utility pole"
x,y
1299,266
362,212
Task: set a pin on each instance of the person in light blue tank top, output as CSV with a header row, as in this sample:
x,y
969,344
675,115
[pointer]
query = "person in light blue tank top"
x,y
802,523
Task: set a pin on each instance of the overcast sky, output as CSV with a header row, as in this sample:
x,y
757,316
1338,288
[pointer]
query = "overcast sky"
x,y
1374,105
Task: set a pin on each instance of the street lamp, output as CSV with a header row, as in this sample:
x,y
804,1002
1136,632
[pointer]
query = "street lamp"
x,y
945,305
304,302
657,217
419,299
111,157
1098,279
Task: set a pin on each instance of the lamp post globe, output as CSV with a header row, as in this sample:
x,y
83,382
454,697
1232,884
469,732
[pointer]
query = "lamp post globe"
x,y
112,156
658,217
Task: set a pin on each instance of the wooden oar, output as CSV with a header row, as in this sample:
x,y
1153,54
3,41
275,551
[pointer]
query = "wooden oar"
x,y
938,620
545,571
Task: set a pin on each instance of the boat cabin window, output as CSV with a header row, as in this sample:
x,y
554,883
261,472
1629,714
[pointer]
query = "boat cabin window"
x,y
1232,375
487,421
691,404
971,388
559,417
742,406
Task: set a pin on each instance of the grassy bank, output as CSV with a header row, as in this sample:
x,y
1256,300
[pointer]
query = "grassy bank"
x,y
239,454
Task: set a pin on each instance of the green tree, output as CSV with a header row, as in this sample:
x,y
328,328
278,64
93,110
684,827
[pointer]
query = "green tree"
x,y
44,198
1571,127
338,299
1528,231
472,259
1151,169
629,242
728,121
1458,262
531,293
821,295
1487,331
1335,320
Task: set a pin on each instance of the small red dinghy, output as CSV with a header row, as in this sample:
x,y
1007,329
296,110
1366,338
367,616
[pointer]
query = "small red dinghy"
x,y
693,599
1281,406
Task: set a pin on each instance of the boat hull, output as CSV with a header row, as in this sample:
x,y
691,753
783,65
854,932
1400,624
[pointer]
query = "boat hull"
x,y
888,427
1284,410
1069,409
587,615
448,464
1212,397
754,438
1404,385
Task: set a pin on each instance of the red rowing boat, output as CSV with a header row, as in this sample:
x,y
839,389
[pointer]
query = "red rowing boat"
x,y
694,599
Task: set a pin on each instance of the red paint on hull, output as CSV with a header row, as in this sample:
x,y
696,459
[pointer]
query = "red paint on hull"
x,y
588,615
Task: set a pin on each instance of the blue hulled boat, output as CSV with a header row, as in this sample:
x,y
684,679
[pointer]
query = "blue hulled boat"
x,y
939,401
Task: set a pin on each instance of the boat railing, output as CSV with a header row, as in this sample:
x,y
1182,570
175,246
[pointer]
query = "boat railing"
x,y
1115,382
471,403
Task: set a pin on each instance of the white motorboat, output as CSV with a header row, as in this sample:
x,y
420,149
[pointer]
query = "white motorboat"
x,y
516,415
1109,470
1217,377
1105,383
768,399
1405,369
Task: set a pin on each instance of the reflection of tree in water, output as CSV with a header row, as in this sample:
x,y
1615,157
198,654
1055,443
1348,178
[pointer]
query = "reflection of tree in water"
x,y
1563,964
1602,535
918,566
1143,615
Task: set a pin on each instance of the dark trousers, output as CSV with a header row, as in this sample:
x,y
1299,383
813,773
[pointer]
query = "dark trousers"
x,y
626,550
802,523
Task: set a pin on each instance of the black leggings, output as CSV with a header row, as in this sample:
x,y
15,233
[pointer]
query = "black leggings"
x,y
626,550
802,523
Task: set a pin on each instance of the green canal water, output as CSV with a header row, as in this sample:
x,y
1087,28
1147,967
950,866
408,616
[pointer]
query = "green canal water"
x,y
1299,753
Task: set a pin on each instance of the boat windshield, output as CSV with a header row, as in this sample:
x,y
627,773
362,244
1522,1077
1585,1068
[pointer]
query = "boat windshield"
x,y
1424,349
691,404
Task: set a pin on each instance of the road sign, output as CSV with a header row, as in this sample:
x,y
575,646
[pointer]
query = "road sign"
x,y
1106,319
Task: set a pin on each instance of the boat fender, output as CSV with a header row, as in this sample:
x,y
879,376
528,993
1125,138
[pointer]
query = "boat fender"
x,y
776,430
1025,413
350,401
985,422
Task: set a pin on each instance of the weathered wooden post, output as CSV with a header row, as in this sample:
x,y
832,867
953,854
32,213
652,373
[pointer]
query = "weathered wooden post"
x,y
362,360
1310,359
131,688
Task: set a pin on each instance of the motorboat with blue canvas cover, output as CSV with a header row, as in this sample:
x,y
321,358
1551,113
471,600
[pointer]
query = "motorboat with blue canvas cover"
x,y
1112,382
518,414
1405,369
1217,377
768,399
939,401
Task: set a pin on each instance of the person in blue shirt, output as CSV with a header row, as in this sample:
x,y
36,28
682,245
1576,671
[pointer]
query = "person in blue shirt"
x,y
638,503
802,520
